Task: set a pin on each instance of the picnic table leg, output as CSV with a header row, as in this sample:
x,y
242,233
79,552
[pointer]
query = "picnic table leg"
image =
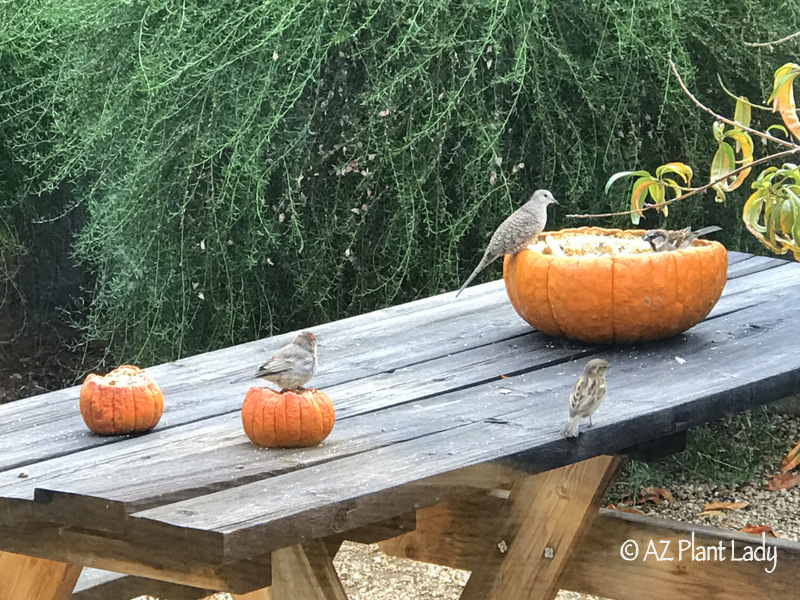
x,y
540,525
29,578
305,572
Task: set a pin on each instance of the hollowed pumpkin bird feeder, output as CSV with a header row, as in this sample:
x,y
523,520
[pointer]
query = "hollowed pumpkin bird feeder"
x,y
607,285
287,419
125,401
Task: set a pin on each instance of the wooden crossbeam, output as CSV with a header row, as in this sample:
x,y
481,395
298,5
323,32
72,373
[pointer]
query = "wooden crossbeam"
x,y
29,578
451,534
305,572
539,526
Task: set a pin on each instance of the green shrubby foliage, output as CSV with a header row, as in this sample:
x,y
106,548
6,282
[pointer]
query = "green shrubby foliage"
x,y
248,167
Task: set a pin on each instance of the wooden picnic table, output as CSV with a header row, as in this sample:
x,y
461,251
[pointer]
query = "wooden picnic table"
x,y
447,435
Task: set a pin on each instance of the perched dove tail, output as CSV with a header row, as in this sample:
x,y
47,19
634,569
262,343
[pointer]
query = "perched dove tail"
x,y
481,266
570,428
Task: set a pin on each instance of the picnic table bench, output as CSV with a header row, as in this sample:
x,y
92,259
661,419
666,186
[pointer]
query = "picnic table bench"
x,y
446,447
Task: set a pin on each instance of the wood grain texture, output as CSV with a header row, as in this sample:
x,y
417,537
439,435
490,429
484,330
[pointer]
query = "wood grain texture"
x,y
597,568
140,475
452,534
29,578
203,386
539,526
211,384
96,584
262,594
177,562
682,395
305,572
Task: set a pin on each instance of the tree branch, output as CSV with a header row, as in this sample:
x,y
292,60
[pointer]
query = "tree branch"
x,y
693,191
775,43
718,117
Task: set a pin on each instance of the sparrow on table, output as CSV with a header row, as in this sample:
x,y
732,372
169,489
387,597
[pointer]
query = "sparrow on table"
x,y
586,396
663,240
293,365
517,231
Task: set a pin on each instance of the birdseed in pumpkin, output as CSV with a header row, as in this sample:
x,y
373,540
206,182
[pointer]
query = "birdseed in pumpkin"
x,y
590,245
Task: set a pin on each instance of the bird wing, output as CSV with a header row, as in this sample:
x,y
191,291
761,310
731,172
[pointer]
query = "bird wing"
x,y
283,360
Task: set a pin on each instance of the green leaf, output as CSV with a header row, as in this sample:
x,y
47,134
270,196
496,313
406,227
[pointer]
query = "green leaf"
x,y
786,220
751,213
719,129
656,190
742,112
779,127
795,202
621,174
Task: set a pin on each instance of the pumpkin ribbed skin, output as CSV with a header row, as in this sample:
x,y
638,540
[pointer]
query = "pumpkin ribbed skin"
x,y
124,401
289,419
622,298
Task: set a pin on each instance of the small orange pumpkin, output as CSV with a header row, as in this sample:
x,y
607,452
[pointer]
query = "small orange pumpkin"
x,y
621,298
288,419
125,401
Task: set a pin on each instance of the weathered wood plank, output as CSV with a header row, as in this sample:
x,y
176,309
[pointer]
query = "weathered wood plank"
x,y
539,526
201,387
95,584
753,264
704,390
180,563
213,384
167,467
213,465
29,578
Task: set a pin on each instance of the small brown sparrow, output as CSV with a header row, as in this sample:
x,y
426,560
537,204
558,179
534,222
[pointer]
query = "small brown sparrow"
x,y
517,231
663,240
586,396
293,365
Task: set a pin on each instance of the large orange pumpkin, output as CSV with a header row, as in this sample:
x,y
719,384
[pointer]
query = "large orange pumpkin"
x,y
621,298
288,419
125,401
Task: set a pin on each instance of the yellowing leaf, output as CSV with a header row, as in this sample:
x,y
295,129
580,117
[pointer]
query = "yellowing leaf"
x,y
791,460
782,97
744,143
724,505
684,171
638,195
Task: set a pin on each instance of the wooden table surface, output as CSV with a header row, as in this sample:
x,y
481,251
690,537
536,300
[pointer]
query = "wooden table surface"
x,y
430,397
